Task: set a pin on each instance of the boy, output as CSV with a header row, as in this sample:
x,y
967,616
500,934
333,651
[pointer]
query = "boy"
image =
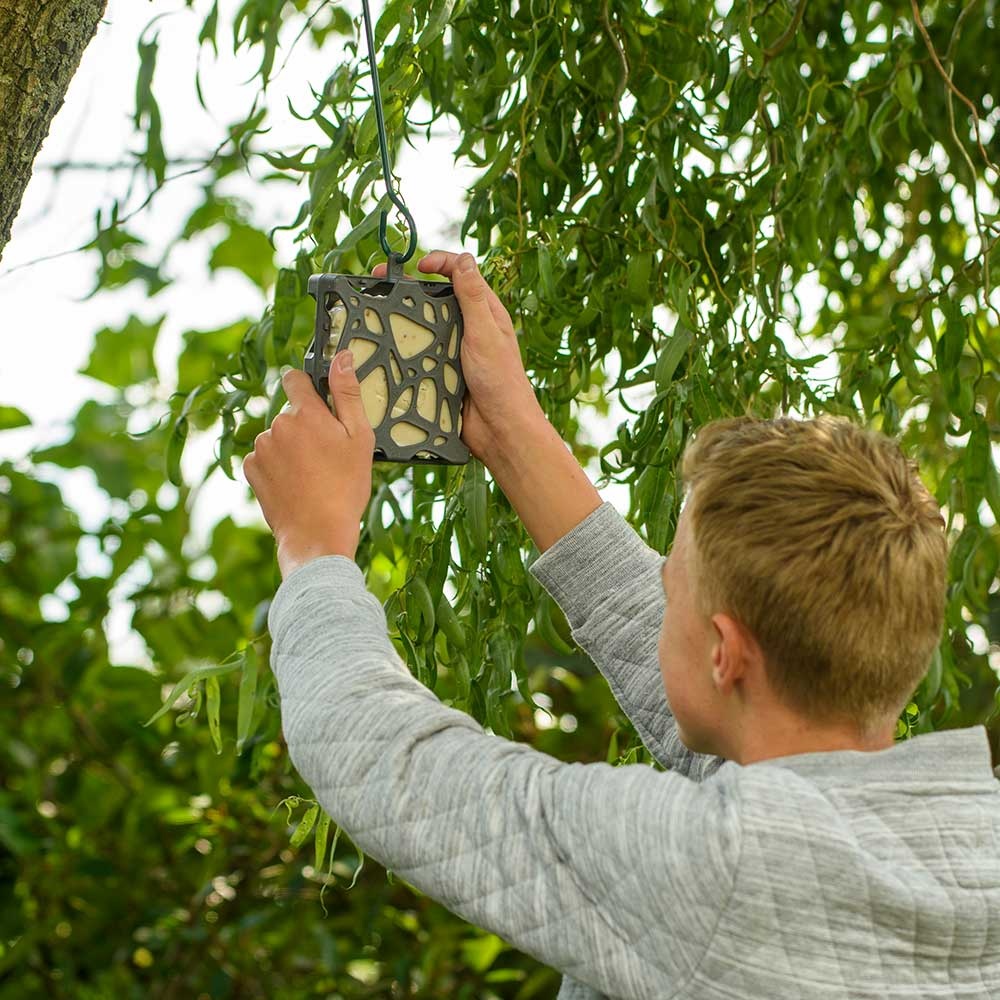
x,y
791,849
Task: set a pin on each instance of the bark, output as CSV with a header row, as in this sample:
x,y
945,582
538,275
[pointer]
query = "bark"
x,y
41,43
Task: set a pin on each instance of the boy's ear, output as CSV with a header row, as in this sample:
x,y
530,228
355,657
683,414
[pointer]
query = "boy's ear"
x,y
732,651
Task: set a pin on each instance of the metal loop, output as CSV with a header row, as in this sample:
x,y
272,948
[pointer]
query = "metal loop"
x,y
411,225
383,147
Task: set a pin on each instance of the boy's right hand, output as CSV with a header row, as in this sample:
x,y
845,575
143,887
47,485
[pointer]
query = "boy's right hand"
x,y
500,400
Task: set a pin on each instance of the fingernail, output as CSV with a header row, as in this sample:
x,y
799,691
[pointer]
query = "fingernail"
x,y
466,263
345,361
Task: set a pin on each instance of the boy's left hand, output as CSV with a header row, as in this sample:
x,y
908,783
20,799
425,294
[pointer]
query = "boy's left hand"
x,y
312,471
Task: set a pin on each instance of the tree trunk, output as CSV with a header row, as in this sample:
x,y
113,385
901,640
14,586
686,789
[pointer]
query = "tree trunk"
x,y
41,42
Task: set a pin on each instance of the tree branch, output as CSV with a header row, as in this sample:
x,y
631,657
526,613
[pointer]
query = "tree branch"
x,y
918,21
789,33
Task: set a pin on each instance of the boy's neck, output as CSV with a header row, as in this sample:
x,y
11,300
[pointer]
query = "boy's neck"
x,y
791,736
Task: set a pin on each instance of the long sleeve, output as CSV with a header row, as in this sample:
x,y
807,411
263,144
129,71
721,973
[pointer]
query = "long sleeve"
x,y
606,579
615,876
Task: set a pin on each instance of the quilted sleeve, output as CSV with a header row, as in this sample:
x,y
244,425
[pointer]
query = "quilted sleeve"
x,y
607,581
616,876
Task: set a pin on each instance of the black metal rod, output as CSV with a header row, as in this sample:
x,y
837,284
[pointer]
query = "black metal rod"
x,y
384,148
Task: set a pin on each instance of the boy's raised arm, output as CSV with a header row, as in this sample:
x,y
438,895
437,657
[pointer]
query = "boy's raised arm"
x,y
601,573
605,578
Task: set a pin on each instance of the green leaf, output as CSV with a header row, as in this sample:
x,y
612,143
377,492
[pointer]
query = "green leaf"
x,y
274,406
11,417
546,628
856,116
101,443
720,73
546,282
639,270
437,21
322,835
743,93
415,657
540,147
209,27
227,444
948,351
381,542
287,293
117,248
305,826
654,502
424,606
476,497
147,111
188,681
500,163
247,698
612,755
993,489
463,679
213,701
670,356
208,354
904,86
503,646
35,519
975,462
212,211
248,250
877,126
481,952
124,356
175,448
449,623
368,224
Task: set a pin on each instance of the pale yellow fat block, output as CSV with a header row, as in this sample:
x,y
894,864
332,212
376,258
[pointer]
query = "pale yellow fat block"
x,y
410,339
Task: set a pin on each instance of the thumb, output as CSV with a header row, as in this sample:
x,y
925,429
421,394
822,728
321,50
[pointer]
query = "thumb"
x,y
346,392
472,292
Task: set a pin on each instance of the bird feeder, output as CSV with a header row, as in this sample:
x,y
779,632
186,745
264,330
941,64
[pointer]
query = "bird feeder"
x,y
405,337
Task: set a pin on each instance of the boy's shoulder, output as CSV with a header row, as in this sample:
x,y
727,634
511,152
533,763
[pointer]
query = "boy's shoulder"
x,y
950,760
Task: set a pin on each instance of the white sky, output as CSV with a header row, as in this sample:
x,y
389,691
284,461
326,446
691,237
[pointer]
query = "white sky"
x,y
48,328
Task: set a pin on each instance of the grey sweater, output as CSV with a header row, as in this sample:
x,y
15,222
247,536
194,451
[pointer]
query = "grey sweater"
x,y
842,874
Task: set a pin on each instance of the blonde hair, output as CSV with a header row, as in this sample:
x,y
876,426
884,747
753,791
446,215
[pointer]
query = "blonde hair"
x,y
819,536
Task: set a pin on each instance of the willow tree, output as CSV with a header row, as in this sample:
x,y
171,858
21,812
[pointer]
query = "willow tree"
x,y
788,210
699,209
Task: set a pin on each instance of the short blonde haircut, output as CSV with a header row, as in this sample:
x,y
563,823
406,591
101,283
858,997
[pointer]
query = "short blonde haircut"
x,y
819,536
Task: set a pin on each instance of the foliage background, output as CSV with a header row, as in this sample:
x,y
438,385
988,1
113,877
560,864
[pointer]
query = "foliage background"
x,y
762,207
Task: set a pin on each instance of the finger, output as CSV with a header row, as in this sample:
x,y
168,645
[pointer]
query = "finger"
x,y
250,470
472,292
439,262
380,270
346,392
436,261
299,388
445,263
256,479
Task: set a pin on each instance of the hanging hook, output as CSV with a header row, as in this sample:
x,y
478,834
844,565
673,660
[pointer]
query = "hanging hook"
x,y
394,258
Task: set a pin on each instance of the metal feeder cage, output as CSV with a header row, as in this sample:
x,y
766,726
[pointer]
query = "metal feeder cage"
x,y
406,339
